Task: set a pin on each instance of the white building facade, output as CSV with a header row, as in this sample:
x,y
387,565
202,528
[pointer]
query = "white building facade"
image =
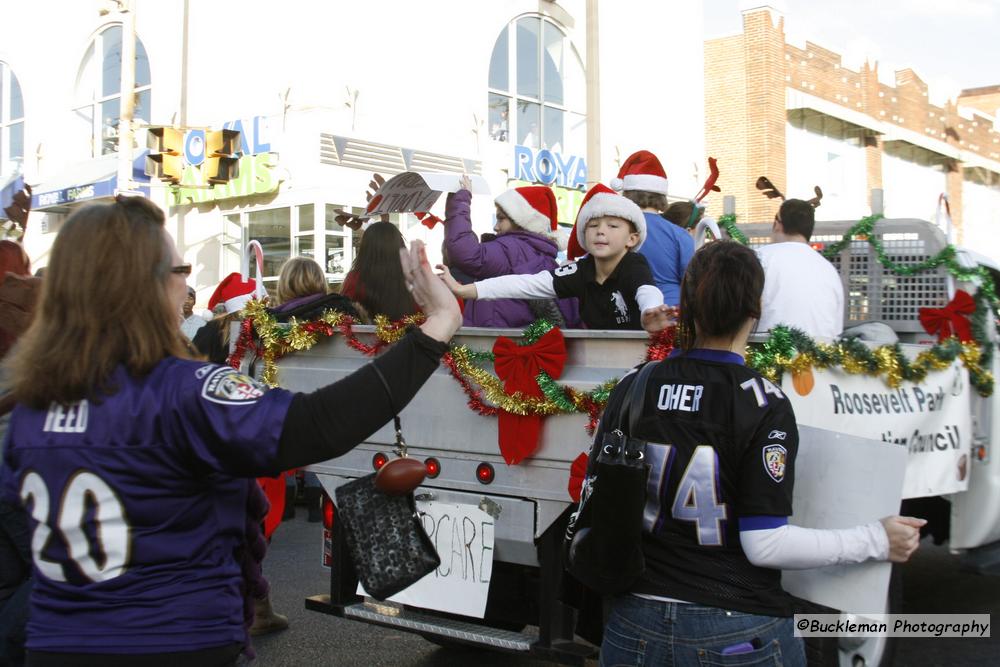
x,y
325,94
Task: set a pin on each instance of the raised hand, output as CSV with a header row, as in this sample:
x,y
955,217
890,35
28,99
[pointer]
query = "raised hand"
x,y
457,288
658,318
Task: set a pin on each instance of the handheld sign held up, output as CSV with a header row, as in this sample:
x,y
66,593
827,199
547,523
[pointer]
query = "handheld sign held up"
x,y
414,191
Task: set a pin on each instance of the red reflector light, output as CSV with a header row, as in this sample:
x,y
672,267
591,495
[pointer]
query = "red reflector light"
x,y
433,467
329,511
379,460
484,473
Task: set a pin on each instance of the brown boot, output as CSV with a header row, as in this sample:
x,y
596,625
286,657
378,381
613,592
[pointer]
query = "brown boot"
x,y
265,620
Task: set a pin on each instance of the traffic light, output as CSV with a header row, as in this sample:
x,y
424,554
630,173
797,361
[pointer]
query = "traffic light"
x,y
165,161
221,161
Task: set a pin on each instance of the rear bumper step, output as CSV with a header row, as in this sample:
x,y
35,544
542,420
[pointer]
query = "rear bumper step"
x,y
461,631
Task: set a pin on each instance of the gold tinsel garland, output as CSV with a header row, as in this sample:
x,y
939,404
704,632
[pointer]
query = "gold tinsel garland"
x,y
775,357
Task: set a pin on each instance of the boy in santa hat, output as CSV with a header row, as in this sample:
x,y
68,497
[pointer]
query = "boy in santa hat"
x,y
643,180
613,284
527,241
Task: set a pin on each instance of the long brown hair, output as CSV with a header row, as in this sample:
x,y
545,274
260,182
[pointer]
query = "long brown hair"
x,y
721,288
104,303
380,275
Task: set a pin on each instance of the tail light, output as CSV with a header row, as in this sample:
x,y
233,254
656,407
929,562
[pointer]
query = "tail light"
x,y
329,512
485,473
379,460
433,467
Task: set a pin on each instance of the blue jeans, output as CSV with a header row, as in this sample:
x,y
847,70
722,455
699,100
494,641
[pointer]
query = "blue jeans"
x,y
672,634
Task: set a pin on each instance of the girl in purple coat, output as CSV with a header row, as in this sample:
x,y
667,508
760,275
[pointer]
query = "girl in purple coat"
x,y
527,242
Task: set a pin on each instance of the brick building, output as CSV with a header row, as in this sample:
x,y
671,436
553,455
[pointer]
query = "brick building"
x,y
798,116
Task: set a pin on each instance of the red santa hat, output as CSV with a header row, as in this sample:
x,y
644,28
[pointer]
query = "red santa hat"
x,y
534,209
234,292
641,171
602,201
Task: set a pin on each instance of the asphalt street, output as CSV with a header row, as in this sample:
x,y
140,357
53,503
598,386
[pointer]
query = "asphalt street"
x,y
933,583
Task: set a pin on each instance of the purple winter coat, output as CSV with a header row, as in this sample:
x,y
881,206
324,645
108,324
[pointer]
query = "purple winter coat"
x,y
510,253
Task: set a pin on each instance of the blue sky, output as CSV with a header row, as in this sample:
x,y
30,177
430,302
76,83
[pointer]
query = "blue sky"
x,y
950,44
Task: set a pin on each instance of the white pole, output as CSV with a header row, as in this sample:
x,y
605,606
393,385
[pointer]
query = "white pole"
x,y
593,96
127,108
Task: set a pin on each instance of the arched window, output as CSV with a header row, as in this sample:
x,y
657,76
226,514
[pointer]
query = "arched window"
x,y
537,90
11,120
99,88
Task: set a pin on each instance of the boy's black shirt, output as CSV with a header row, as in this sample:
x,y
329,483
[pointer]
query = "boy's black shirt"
x,y
611,305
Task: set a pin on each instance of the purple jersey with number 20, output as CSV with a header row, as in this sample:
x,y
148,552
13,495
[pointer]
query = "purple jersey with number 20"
x,y
137,504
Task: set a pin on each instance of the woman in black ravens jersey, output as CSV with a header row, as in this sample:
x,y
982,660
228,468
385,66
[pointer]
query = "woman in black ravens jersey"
x,y
721,444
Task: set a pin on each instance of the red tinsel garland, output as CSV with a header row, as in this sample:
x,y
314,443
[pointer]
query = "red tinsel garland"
x,y
475,401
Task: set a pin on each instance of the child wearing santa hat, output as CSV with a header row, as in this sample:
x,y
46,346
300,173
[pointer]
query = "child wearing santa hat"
x,y
528,239
643,180
613,284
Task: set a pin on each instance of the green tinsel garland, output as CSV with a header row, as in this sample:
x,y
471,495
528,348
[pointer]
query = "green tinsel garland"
x,y
786,347
728,222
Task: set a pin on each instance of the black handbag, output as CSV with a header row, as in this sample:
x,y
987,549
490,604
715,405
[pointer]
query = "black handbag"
x,y
388,545
604,535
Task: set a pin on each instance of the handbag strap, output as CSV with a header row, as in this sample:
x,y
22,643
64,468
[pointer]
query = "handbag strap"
x,y
635,397
400,441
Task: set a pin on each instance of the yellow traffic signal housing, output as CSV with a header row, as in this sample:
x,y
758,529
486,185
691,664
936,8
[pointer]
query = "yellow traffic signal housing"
x,y
221,161
218,169
165,166
164,161
222,143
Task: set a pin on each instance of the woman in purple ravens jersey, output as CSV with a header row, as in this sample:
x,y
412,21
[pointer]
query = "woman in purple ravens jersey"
x,y
721,444
131,458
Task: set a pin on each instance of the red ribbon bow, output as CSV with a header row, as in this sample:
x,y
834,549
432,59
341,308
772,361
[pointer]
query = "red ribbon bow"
x,y
952,320
518,366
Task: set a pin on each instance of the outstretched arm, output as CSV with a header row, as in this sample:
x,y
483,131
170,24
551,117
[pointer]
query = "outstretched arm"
x,y
790,547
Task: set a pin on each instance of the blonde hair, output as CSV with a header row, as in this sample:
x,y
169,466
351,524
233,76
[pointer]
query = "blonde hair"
x,y
300,276
104,304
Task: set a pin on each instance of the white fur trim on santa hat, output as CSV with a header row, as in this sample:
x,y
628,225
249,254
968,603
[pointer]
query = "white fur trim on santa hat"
x,y
523,214
237,303
606,204
561,237
643,182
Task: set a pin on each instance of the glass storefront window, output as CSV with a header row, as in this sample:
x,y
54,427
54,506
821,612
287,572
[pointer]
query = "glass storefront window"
x,y
307,212
543,74
499,117
11,120
337,263
499,67
272,229
98,88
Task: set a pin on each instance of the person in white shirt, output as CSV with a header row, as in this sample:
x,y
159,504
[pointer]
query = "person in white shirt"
x,y
190,323
801,288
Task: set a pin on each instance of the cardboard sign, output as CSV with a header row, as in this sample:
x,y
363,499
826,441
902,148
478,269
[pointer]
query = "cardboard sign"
x,y
414,191
930,420
463,537
843,481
